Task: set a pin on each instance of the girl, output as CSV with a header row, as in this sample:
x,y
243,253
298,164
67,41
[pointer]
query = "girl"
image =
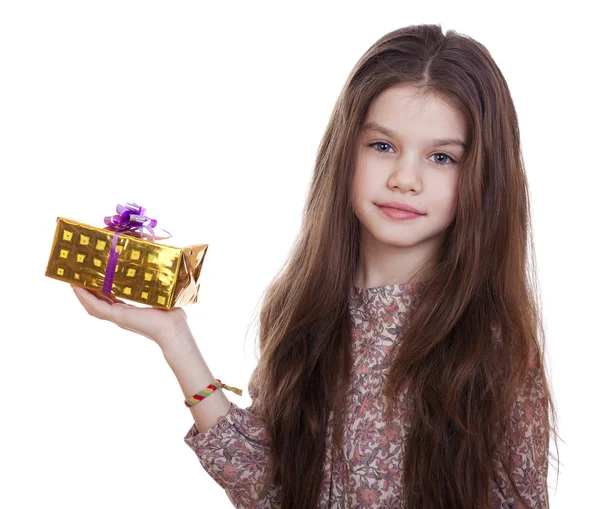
x,y
402,353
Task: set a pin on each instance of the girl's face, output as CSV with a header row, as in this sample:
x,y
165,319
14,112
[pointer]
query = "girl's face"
x,y
400,158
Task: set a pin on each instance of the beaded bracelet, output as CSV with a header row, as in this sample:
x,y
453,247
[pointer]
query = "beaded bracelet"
x,y
199,396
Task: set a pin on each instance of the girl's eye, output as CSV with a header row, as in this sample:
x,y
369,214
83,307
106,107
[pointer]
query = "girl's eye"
x,y
379,143
446,156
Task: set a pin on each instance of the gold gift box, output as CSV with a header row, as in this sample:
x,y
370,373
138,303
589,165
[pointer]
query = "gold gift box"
x,y
148,272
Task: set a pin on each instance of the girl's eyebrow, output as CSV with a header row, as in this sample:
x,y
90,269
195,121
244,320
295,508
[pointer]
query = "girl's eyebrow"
x,y
374,126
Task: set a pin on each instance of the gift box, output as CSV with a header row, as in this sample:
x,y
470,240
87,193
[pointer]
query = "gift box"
x,y
126,259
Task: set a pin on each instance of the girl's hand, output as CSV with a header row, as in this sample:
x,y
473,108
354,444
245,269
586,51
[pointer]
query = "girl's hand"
x,y
160,325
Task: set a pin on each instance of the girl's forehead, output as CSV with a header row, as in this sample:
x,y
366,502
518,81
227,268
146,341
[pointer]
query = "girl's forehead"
x,y
404,113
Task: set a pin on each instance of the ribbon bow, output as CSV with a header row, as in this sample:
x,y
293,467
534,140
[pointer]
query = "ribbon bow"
x,y
129,218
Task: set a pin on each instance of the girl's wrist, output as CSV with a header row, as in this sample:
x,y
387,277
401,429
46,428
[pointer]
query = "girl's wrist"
x,y
178,341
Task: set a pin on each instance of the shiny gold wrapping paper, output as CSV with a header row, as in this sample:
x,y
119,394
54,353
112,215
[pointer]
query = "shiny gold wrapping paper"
x,y
148,272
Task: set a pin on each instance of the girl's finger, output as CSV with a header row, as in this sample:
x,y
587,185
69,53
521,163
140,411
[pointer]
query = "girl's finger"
x,y
103,297
115,300
93,305
109,298
100,296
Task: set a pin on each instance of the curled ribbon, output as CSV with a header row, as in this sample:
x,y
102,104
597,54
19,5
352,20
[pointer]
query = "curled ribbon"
x,y
129,218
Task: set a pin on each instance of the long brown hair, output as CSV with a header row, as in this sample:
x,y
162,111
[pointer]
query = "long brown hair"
x,y
478,293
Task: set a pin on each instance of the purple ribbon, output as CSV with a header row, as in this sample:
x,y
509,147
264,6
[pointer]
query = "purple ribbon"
x,y
129,218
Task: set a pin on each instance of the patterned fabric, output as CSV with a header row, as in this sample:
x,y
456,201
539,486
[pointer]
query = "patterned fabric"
x,y
234,452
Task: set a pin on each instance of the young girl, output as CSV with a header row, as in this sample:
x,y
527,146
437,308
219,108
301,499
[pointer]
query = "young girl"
x,y
402,348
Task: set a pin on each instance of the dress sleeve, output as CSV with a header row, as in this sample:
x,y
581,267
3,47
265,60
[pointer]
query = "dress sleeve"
x,y
235,452
529,441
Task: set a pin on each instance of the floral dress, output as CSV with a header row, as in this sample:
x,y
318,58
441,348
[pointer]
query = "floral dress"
x,y
235,451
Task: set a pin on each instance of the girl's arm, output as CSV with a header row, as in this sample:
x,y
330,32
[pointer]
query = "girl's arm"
x,y
192,373
529,442
231,443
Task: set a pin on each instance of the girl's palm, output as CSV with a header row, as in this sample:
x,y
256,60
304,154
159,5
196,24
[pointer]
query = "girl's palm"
x,y
156,324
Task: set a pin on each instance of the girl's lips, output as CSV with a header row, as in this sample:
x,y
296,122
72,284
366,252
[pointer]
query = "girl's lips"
x,y
399,214
400,206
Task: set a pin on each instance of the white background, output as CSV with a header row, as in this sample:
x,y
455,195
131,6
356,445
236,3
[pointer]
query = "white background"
x,y
209,115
